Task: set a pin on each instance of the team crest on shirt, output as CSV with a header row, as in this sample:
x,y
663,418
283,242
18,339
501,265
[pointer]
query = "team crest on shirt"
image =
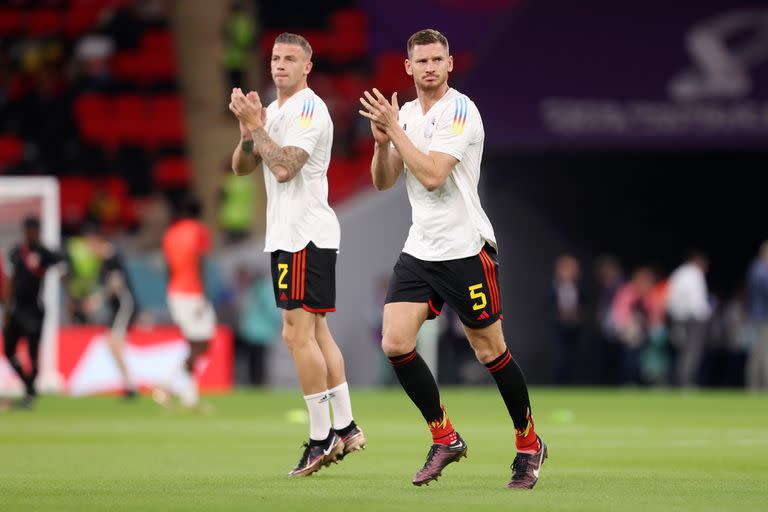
x,y
460,108
307,111
429,129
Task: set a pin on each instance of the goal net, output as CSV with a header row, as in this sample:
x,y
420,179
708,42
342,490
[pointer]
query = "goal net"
x,y
20,198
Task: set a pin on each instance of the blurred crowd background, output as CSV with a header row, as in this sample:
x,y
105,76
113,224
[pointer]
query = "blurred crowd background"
x,y
624,173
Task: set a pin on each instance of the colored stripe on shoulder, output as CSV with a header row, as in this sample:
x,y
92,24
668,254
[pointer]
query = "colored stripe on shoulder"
x,y
307,111
460,108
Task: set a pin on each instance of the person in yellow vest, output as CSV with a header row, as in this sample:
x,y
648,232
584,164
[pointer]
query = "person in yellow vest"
x,y
237,204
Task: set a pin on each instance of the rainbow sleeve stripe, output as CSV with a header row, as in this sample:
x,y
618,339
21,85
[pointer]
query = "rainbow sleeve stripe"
x,y
307,111
459,115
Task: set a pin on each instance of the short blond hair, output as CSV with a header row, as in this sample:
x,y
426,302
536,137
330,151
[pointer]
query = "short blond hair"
x,y
295,39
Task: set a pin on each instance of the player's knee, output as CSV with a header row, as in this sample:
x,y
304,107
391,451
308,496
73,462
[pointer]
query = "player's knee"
x,y
485,354
396,345
294,338
486,350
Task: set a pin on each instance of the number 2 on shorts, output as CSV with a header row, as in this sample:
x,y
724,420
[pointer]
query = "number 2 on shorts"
x,y
474,293
283,269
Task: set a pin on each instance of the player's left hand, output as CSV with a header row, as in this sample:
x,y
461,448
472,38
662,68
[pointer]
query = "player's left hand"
x,y
248,110
381,112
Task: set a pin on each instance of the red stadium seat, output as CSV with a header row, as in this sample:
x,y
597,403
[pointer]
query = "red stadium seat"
x,y
390,75
131,110
11,21
44,22
94,117
82,15
160,41
348,35
171,173
75,194
349,20
159,66
11,151
166,120
126,66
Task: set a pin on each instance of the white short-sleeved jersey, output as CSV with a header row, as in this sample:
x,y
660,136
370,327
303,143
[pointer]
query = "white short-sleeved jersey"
x,y
298,210
449,222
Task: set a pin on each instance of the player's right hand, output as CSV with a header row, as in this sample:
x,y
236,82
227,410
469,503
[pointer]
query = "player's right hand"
x,y
379,135
244,133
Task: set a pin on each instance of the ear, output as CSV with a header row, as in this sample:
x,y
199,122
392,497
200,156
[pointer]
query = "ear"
x,y
308,67
408,68
450,63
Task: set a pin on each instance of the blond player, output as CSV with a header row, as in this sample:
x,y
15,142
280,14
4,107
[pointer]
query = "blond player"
x,y
293,138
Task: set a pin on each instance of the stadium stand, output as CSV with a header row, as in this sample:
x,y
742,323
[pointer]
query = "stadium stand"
x,y
100,75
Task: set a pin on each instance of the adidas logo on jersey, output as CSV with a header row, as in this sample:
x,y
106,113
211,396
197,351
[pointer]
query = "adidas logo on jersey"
x,y
484,315
283,296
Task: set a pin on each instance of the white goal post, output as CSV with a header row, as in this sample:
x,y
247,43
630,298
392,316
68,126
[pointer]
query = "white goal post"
x,y
39,196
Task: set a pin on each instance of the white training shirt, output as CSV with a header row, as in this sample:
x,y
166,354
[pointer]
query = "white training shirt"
x,y
298,210
687,296
449,222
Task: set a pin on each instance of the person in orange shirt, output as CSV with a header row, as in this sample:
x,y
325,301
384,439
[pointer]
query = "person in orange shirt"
x,y
185,244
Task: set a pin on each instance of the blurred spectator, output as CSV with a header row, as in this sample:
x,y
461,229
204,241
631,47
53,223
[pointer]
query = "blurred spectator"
x,y
103,209
154,216
757,362
567,299
724,362
657,356
237,205
239,33
92,57
633,314
82,278
689,310
259,323
124,24
609,280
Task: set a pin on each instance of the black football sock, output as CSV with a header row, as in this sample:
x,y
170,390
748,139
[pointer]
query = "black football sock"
x,y
346,430
511,383
419,384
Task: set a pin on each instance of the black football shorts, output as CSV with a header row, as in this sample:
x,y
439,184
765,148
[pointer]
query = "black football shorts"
x,y
305,279
470,286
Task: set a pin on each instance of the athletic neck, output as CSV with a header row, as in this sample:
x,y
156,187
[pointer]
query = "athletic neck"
x,y
428,99
283,96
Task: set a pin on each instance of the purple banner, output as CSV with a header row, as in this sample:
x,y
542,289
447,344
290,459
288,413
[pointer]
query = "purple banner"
x,y
600,73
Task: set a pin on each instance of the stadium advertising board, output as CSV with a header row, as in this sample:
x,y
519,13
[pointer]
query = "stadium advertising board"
x,y
86,365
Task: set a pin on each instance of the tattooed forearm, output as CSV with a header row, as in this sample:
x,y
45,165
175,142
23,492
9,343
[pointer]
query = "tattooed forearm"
x,y
285,162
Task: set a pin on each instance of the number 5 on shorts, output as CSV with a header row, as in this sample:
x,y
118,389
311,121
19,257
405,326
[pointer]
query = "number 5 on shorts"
x,y
474,293
283,269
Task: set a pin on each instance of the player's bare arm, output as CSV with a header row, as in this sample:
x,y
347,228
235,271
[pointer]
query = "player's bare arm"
x,y
430,169
283,162
245,159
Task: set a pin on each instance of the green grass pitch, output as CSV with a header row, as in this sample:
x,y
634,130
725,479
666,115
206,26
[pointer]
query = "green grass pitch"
x,y
609,450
